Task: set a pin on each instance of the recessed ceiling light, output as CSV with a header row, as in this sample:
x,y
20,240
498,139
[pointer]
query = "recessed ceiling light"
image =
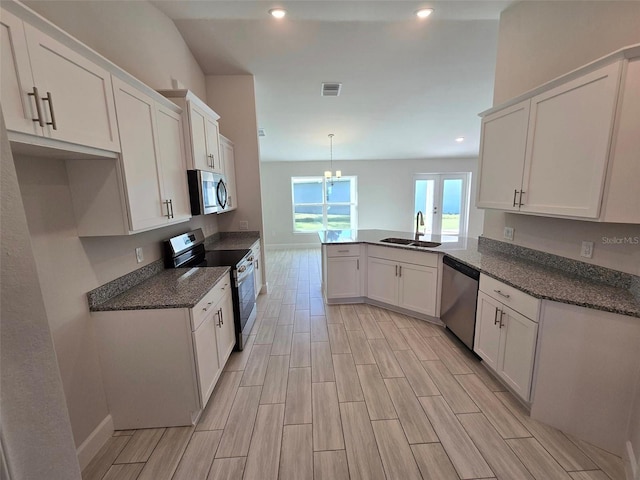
x,y
424,12
278,12
459,139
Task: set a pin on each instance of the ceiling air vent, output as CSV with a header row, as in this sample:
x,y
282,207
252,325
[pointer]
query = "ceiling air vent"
x,y
331,89
261,132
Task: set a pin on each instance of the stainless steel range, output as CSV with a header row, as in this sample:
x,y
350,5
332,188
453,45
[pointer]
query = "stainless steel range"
x,y
187,251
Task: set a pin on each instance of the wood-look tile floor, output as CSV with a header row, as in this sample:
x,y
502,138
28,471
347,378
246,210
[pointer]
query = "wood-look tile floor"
x,y
351,391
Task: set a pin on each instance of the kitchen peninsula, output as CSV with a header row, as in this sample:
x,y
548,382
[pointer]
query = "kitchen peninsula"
x,y
588,317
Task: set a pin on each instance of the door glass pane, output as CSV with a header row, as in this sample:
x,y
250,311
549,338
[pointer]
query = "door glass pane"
x,y
425,190
338,217
451,206
307,191
307,218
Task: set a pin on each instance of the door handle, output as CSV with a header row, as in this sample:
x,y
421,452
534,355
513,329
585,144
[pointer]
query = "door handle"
x,y
166,202
515,192
49,100
38,109
501,315
495,317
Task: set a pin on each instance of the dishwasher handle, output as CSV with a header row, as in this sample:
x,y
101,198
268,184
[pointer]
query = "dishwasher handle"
x,y
461,267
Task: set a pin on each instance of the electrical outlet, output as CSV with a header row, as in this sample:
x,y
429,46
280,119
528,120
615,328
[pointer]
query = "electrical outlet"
x,y
244,225
587,250
508,233
139,255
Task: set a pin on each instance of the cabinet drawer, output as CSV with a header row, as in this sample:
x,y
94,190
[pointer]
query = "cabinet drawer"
x,y
426,259
510,296
350,250
209,301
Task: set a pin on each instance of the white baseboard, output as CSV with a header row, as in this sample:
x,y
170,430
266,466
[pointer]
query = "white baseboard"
x,y
94,442
631,465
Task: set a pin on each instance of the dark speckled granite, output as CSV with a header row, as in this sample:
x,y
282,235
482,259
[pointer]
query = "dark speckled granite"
x,y
529,274
231,240
172,288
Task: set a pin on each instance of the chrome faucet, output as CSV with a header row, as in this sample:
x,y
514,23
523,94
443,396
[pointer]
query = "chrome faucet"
x,y
420,219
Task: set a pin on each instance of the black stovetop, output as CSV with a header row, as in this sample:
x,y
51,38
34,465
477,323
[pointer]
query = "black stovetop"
x,y
222,258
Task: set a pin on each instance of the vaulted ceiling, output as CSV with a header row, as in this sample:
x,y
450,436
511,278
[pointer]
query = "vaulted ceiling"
x,y
410,86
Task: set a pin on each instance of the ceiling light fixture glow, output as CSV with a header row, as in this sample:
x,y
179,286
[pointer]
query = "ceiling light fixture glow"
x,y
424,12
277,12
459,139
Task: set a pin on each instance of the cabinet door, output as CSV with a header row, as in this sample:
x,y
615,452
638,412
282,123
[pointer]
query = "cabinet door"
x,y
343,277
568,145
172,163
201,160
382,280
418,288
213,145
16,82
517,351
136,112
502,153
228,161
226,333
206,353
487,336
80,105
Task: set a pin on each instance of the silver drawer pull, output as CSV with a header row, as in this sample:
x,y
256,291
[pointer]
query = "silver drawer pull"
x,y
505,295
343,251
208,306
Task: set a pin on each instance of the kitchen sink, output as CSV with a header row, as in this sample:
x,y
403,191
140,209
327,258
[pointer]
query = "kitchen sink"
x,y
411,243
398,241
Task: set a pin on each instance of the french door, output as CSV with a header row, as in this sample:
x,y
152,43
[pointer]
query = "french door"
x,y
443,198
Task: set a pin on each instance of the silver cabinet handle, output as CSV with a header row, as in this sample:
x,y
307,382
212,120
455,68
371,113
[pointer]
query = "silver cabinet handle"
x,y
49,100
357,264
396,270
221,317
505,295
515,192
171,205
495,317
400,271
166,202
213,160
219,314
257,264
36,95
522,192
501,315
343,251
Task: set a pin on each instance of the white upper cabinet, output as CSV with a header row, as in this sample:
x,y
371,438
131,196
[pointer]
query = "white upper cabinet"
x,y
200,130
569,148
502,149
227,151
52,91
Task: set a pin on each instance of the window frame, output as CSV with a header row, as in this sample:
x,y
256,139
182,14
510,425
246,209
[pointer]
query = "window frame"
x,y
353,180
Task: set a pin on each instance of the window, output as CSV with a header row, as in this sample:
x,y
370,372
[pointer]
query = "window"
x,y
444,199
320,204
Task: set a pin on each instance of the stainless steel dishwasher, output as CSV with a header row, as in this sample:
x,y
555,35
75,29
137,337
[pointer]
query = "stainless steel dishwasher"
x,y
459,299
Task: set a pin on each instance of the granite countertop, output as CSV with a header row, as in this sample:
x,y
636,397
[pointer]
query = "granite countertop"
x,y
171,288
233,241
535,279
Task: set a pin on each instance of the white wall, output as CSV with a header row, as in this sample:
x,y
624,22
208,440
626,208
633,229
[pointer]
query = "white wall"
x,y
633,432
134,35
36,433
538,41
233,98
139,38
385,194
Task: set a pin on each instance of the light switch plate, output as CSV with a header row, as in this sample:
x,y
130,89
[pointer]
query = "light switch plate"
x,y
508,233
139,255
587,250
244,225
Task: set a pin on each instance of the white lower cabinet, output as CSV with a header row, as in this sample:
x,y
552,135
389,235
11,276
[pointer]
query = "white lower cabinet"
x,y
160,366
408,280
505,339
344,275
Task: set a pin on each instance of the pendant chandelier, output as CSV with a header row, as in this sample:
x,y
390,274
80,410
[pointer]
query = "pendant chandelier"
x,y
328,174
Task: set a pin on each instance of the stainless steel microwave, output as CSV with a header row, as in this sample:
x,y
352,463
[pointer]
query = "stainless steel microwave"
x,y
207,192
